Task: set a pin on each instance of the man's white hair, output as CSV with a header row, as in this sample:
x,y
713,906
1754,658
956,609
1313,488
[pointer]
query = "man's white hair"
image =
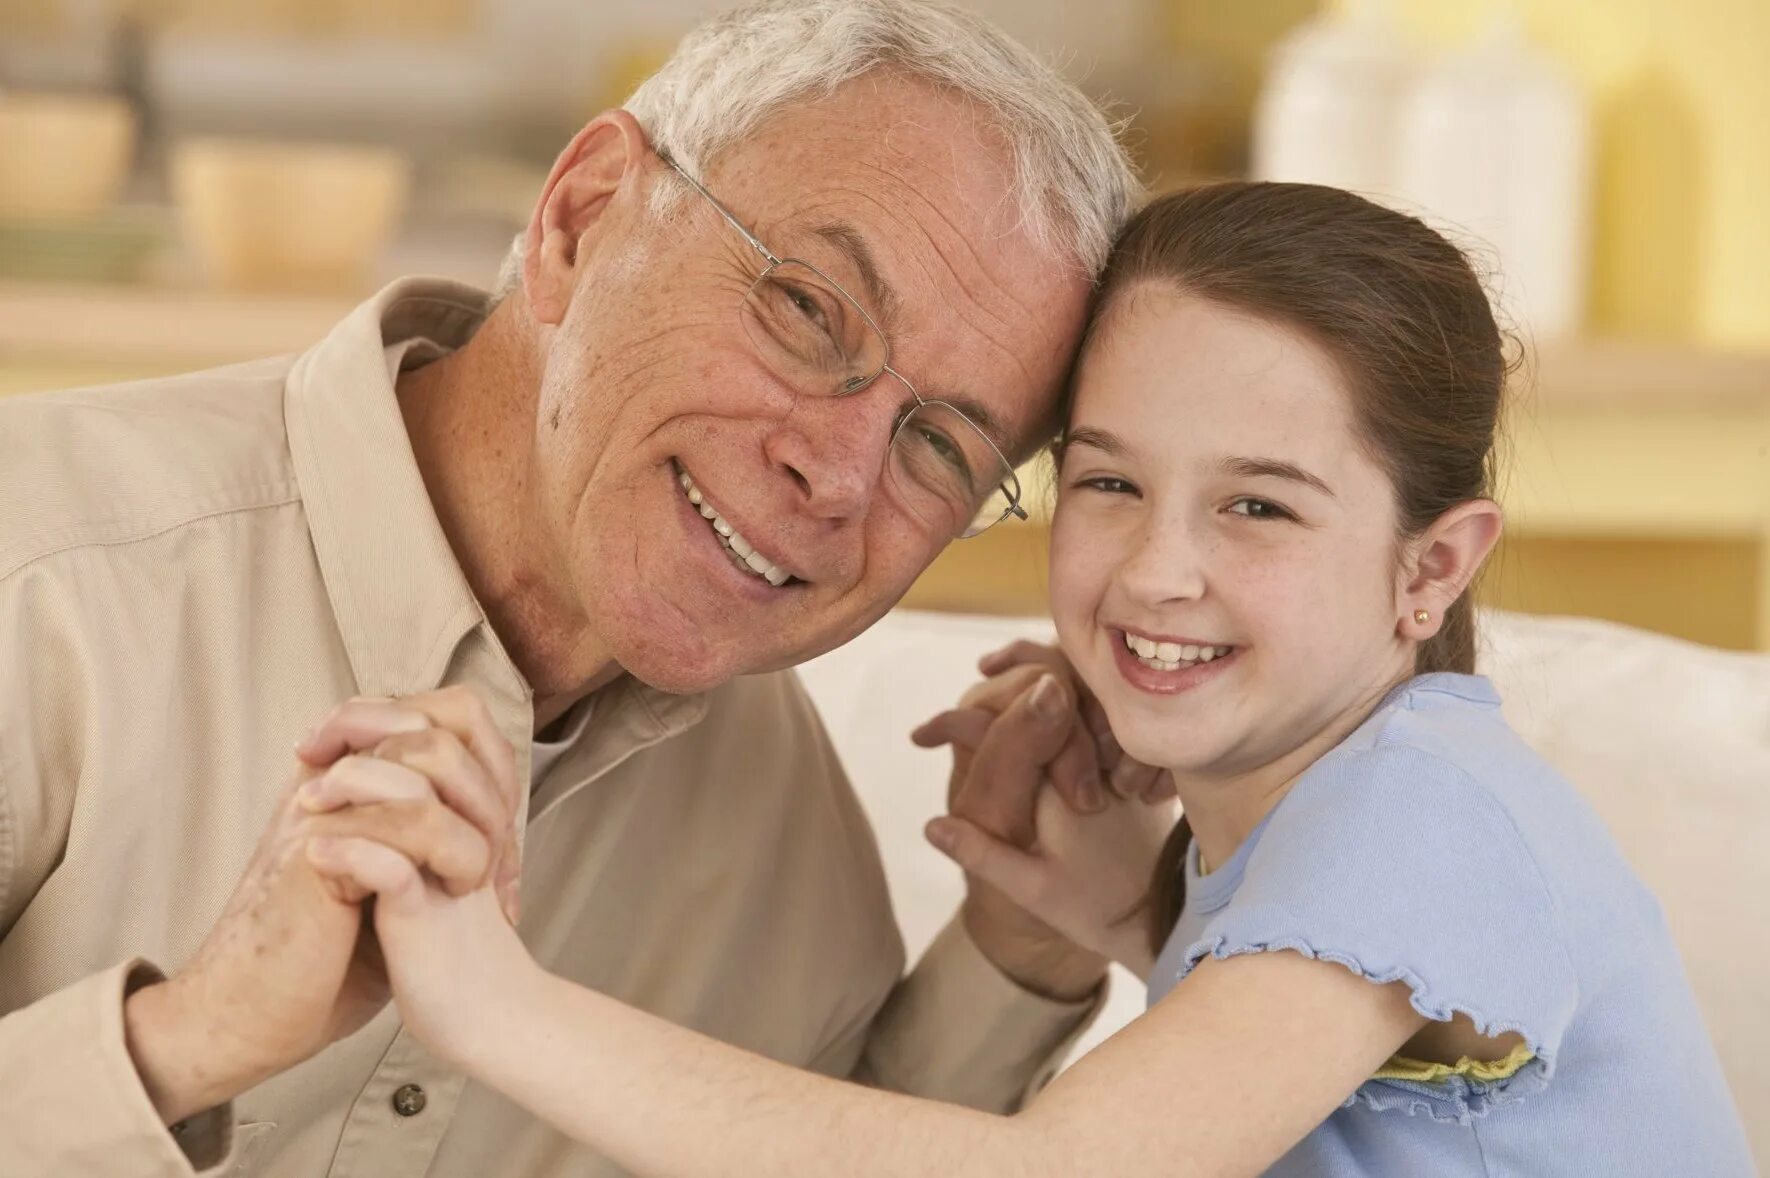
x,y
1073,182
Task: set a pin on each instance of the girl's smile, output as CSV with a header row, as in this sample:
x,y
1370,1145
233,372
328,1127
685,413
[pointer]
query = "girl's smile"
x,y
1169,666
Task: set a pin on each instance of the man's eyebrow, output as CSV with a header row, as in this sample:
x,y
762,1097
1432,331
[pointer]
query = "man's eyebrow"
x,y
848,240
1272,468
980,416
853,246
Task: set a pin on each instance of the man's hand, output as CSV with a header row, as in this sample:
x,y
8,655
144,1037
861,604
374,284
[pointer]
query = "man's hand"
x,y
291,966
1029,725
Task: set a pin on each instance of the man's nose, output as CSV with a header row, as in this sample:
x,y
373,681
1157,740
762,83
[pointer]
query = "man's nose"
x,y
835,449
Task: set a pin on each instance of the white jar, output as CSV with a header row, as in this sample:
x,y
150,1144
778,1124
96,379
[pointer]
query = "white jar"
x,y
1493,148
1327,110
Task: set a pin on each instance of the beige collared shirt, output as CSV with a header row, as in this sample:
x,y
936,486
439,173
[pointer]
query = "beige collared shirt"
x,y
192,571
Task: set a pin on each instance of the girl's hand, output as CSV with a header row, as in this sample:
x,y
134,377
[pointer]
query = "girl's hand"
x,y
454,962
1085,875
1085,769
1122,774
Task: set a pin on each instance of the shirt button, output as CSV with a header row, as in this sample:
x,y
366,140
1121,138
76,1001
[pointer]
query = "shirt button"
x,y
409,1101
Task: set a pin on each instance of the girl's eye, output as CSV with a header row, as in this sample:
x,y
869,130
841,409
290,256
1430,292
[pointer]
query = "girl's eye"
x,y
1259,509
1107,484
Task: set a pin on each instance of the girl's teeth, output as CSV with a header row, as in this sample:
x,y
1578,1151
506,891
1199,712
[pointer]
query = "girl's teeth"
x,y
1171,656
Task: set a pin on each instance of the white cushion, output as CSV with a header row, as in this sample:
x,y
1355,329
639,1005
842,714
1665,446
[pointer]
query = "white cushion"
x,y
1669,741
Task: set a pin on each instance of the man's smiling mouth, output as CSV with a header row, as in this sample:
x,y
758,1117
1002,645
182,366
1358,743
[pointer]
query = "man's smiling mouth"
x,y
743,553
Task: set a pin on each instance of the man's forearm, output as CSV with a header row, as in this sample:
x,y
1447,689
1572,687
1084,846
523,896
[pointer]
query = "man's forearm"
x,y
68,1046
958,1029
184,1074
1057,970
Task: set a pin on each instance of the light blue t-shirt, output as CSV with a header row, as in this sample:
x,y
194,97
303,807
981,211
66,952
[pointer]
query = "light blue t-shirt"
x,y
1433,847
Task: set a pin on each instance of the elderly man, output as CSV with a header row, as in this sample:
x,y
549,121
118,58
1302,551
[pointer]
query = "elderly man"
x,y
775,334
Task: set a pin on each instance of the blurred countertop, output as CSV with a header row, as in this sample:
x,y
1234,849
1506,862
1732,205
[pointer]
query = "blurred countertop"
x,y
58,335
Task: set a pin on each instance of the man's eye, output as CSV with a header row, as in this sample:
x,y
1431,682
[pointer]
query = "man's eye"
x,y
814,307
806,305
947,449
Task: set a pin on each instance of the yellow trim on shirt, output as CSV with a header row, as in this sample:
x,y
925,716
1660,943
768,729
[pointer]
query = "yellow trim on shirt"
x,y
1400,1067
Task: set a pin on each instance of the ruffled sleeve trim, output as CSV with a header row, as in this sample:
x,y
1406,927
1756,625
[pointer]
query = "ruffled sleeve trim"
x,y
1424,1071
1458,1094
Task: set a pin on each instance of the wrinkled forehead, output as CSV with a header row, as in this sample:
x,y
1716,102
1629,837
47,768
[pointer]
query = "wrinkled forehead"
x,y
906,195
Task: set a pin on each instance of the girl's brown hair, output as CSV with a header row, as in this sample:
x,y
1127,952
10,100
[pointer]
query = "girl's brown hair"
x,y
1403,315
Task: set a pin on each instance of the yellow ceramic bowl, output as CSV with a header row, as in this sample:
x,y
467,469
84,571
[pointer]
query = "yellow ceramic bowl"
x,y
62,155
287,216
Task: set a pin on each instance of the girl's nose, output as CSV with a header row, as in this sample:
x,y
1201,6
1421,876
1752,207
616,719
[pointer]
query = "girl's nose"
x,y
1166,564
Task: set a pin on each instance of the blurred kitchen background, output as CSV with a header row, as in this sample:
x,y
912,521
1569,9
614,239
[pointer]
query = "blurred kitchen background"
x,y
186,183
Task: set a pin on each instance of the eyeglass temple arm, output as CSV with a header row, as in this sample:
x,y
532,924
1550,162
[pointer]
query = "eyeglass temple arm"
x,y
720,209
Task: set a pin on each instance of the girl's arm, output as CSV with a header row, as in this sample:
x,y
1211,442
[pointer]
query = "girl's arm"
x,y
1222,1077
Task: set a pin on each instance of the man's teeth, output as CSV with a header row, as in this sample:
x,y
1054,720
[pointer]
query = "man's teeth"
x,y
743,553
1171,656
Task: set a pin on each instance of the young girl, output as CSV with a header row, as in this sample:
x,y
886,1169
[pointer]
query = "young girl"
x,y
1386,939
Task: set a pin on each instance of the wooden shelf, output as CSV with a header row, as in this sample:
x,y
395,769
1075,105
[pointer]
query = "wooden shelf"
x,y
1627,464
1618,374
106,325
146,322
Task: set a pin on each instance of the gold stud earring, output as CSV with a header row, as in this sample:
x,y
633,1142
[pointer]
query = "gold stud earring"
x,y
1422,617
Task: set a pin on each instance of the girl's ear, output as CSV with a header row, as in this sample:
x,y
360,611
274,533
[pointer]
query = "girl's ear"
x,y
1444,561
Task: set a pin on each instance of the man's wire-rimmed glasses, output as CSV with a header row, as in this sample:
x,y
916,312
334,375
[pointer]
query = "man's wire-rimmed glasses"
x,y
816,337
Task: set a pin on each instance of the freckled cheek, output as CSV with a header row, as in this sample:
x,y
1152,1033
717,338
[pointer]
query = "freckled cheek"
x,y
1316,606
1083,560
1274,596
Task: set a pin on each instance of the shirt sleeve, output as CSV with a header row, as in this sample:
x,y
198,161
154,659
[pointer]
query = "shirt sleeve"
x,y
1398,866
74,1104
957,1029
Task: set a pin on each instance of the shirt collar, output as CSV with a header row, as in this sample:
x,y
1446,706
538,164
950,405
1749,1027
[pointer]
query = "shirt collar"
x,y
1474,689
401,600
402,603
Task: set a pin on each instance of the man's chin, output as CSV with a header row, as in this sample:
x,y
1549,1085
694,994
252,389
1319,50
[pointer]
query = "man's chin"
x,y
676,677
672,653
692,668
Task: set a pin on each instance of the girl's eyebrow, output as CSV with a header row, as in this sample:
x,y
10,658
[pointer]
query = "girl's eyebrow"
x,y
1272,468
1111,444
1103,440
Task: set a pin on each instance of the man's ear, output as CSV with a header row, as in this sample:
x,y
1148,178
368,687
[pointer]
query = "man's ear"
x,y
612,149
1445,560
